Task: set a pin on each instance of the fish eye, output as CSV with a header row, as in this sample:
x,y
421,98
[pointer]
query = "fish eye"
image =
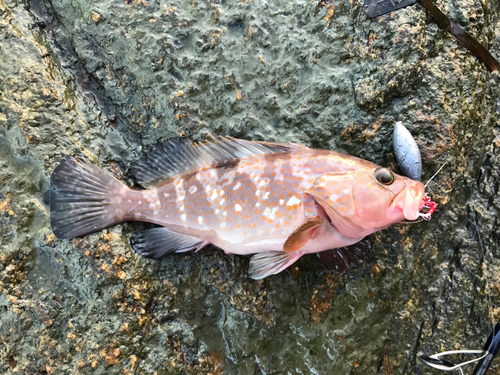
x,y
384,176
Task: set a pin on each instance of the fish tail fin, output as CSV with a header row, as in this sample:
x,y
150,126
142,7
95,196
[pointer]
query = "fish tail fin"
x,y
83,198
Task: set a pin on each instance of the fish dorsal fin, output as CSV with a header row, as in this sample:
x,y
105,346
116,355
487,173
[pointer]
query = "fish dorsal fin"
x,y
301,235
176,157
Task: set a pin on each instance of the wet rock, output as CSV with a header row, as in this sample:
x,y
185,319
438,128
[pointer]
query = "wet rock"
x,y
106,83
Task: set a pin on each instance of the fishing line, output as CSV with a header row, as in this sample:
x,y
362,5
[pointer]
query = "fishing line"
x,y
458,273
435,174
481,247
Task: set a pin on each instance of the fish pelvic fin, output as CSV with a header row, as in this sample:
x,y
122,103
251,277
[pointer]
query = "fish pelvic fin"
x,y
83,198
270,263
157,242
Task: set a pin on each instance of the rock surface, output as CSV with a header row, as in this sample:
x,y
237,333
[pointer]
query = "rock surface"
x,y
106,80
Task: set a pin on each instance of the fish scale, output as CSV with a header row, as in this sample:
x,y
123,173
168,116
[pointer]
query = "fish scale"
x,y
244,198
277,201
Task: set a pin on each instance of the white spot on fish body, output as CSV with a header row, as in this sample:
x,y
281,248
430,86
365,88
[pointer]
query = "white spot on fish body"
x,y
237,207
179,190
183,217
293,200
214,194
281,202
257,204
223,225
261,183
193,189
151,196
166,195
237,186
224,213
222,201
216,211
334,197
181,208
266,196
212,173
200,220
270,213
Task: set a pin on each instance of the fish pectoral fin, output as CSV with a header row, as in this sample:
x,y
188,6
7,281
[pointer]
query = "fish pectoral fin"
x,y
156,242
270,263
342,223
302,235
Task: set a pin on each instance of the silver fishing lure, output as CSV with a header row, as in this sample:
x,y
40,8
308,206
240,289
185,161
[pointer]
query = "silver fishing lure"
x,y
407,152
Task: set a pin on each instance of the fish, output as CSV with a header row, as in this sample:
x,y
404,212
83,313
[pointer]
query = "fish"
x,y
407,152
276,201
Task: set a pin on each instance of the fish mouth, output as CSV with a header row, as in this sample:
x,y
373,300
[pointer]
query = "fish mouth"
x,y
411,200
414,200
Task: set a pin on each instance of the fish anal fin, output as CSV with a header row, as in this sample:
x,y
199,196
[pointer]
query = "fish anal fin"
x,y
270,263
156,242
176,157
301,235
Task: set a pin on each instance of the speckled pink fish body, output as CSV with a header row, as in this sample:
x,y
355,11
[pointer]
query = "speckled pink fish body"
x,y
284,200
